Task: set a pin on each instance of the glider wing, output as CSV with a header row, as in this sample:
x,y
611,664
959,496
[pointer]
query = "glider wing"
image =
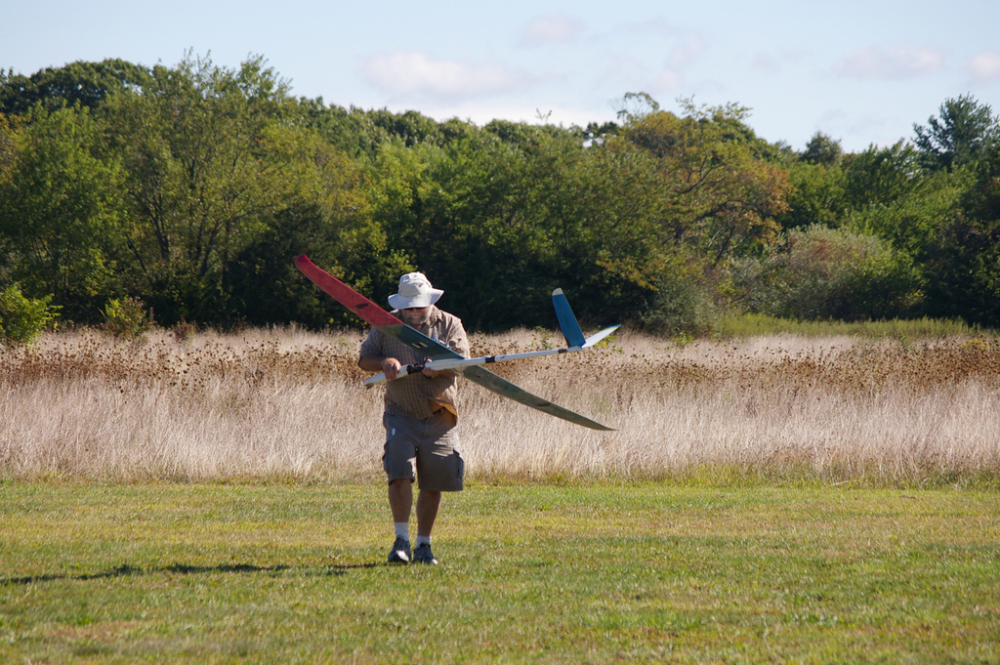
x,y
395,328
505,388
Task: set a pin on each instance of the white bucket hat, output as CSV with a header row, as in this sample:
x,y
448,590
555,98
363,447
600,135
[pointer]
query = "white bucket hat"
x,y
415,290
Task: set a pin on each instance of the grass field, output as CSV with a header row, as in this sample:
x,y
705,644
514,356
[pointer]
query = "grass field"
x,y
577,573
774,498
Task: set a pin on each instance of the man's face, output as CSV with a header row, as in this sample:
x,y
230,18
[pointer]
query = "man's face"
x,y
416,316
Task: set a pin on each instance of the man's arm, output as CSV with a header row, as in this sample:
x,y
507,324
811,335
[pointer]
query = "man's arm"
x,y
375,363
372,361
391,366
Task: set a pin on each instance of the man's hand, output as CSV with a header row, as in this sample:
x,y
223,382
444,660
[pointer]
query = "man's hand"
x,y
391,367
374,363
438,372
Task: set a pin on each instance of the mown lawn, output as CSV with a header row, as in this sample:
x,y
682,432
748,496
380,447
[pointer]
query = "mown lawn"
x,y
588,573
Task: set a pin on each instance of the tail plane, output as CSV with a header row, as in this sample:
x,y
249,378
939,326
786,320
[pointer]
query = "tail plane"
x,y
571,328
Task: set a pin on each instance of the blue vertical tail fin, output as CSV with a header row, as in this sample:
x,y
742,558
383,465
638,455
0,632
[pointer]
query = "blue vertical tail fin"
x,y
570,328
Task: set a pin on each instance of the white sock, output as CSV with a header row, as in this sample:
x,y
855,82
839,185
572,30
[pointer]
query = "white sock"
x,y
422,540
402,530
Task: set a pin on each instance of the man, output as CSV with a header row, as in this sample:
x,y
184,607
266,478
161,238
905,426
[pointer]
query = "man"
x,y
420,415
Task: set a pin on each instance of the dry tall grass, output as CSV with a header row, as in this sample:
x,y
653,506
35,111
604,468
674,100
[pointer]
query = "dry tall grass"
x,y
287,403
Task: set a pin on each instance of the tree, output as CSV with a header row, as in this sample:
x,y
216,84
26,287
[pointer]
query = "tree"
x,y
962,259
816,195
527,207
474,226
722,196
61,212
881,176
914,222
332,221
410,126
822,149
208,158
963,272
84,83
965,133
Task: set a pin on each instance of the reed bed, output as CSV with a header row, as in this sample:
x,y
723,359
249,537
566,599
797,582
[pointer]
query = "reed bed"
x,y
286,403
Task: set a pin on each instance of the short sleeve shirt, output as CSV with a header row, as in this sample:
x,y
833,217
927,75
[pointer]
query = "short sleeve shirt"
x,y
418,396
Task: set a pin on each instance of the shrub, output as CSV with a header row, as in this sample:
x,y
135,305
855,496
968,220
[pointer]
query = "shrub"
x,y
823,273
23,319
682,306
183,331
125,318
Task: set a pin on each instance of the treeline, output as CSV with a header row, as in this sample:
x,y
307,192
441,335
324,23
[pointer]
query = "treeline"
x,y
191,188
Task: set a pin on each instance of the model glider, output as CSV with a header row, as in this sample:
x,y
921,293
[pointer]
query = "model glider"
x,y
441,357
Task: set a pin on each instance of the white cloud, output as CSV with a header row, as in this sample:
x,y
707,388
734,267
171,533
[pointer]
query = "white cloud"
x,y
765,62
861,130
774,62
625,74
984,66
667,80
622,72
417,74
631,30
687,51
897,62
548,29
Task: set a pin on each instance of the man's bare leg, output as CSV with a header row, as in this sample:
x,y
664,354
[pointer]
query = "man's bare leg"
x,y
401,502
427,510
428,504
401,499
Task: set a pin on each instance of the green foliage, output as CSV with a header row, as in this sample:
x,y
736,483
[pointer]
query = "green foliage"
x,y
79,83
719,196
504,215
125,318
881,175
966,133
193,187
683,304
963,272
23,319
912,223
61,209
207,162
481,221
410,127
816,196
822,149
953,239
824,273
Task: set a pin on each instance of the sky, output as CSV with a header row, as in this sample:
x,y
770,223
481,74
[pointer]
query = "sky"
x,y
860,71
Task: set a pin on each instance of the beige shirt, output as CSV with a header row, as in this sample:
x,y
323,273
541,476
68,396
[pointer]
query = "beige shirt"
x,y
418,396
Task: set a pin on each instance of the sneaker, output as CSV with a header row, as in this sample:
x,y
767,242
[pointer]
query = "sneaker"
x,y
423,554
400,552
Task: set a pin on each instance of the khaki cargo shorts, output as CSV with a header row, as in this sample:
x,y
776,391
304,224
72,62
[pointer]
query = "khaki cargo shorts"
x,y
427,449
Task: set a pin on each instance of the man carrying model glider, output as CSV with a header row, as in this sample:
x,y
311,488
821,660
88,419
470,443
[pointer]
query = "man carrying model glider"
x,y
420,415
